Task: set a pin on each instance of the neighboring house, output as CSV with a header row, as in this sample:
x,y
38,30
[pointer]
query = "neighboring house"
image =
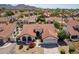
x,y
6,31
9,19
4,20
51,19
46,14
26,20
73,29
45,32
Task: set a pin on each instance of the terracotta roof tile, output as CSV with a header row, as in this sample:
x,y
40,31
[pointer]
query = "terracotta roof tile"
x,y
48,30
70,25
7,30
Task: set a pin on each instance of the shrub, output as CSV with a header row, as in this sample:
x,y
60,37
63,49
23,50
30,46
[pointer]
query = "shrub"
x,y
32,45
62,51
40,19
57,24
71,49
9,13
21,46
27,49
33,40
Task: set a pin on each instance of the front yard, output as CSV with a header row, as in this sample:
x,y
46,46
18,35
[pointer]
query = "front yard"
x,y
76,45
35,50
70,48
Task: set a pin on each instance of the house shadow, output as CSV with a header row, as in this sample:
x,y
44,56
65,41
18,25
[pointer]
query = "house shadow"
x,y
49,45
2,44
62,43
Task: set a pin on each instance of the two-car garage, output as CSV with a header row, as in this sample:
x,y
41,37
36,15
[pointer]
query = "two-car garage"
x,y
49,42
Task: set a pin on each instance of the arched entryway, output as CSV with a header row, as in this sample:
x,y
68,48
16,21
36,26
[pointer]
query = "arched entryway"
x,y
25,39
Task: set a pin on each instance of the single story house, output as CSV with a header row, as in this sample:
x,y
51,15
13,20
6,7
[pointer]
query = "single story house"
x,y
46,32
26,20
6,31
73,29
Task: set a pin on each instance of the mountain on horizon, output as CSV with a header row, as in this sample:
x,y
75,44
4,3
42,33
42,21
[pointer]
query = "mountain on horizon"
x,y
19,6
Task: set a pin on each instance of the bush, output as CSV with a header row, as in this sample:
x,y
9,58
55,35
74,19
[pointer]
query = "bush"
x,y
57,24
40,19
9,13
62,51
20,16
32,45
21,46
71,49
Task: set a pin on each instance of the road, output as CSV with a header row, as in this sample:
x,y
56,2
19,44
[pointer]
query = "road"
x,y
8,50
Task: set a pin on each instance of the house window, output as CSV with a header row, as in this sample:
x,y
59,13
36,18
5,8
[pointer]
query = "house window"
x,y
74,37
24,39
29,39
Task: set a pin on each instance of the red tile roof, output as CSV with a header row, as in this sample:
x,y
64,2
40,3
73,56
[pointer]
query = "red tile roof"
x,y
53,18
70,25
29,19
7,30
48,30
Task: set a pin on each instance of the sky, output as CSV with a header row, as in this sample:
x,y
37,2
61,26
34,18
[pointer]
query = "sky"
x,y
69,6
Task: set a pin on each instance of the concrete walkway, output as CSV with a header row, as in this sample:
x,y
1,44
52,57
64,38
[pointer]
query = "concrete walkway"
x,y
51,50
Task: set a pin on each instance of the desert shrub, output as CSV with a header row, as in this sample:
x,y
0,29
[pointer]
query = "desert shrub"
x,y
62,51
40,19
32,45
9,13
27,49
33,40
21,46
71,49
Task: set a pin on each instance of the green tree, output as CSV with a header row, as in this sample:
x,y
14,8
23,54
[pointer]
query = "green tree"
x,y
62,35
40,19
9,13
57,24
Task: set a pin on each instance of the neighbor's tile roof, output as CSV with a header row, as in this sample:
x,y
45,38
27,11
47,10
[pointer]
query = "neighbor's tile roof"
x,y
29,19
7,30
48,30
70,25
3,19
53,18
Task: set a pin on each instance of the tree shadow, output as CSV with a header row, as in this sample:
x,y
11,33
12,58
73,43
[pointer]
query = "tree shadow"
x,y
62,43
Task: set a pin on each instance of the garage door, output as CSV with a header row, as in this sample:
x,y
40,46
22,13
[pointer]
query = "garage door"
x,y
49,45
50,40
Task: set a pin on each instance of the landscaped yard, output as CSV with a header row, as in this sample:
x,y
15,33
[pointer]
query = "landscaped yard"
x,y
65,48
76,45
35,50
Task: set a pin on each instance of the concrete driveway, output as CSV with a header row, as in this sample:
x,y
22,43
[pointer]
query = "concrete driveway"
x,y
51,50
